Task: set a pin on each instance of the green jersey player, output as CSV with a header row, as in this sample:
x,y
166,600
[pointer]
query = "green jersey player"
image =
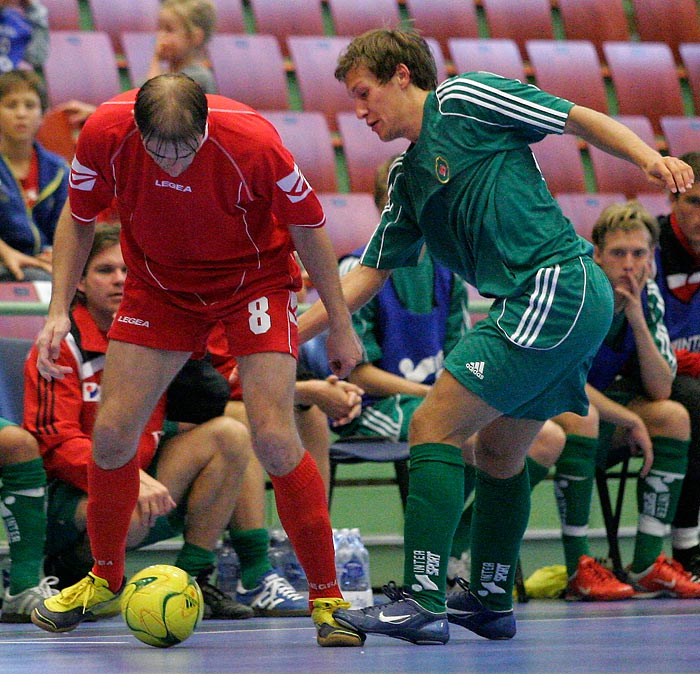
x,y
469,187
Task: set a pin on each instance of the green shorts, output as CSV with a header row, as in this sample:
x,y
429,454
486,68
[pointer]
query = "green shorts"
x,y
388,418
529,358
63,499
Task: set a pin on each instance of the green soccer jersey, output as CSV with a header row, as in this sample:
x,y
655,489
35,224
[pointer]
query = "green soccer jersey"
x,y
471,189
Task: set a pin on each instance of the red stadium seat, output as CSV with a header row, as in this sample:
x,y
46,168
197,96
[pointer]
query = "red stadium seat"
x,y
306,136
645,79
353,17
559,159
350,220
116,17
82,65
315,60
613,174
595,20
138,49
63,14
57,135
443,19
495,56
671,22
250,69
519,20
690,55
657,203
682,134
570,69
583,209
363,150
291,17
229,16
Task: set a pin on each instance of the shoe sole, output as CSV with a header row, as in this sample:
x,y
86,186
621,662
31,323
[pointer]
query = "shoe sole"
x,y
486,631
46,624
416,638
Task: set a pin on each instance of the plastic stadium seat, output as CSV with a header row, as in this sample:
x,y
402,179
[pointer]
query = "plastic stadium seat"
x,y
519,20
138,49
63,14
363,150
690,56
353,17
682,134
229,16
583,209
559,159
670,21
291,17
443,19
440,64
570,69
495,56
613,174
250,69
82,65
595,20
13,353
645,79
116,17
350,219
657,203
57,135
315,60
306,136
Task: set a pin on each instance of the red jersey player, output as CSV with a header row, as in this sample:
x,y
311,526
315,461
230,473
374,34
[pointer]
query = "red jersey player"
x,y
212,207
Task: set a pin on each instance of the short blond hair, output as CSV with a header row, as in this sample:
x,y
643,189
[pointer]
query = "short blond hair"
x,y
194,14
625,218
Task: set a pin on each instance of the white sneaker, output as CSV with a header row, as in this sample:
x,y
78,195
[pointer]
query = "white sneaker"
x,y
274,596
18,608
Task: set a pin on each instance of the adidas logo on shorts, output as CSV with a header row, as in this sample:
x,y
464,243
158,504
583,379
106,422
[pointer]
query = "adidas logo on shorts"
x,y
477,368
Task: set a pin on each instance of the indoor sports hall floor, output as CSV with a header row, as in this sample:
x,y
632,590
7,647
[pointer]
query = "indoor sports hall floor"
x,y
660,636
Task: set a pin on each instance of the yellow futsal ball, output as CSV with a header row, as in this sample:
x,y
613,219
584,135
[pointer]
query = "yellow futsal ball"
x,y
162,605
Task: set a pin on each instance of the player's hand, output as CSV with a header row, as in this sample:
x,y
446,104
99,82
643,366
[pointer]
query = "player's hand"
x,y
344,351
339,400
49,347
154,500
670,173
639,443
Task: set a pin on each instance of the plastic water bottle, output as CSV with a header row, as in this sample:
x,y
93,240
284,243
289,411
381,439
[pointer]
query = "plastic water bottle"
x,y
283,558
352,568
227,567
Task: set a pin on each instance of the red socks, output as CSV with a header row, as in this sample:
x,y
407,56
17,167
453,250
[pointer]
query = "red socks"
x,y
112,497
303,512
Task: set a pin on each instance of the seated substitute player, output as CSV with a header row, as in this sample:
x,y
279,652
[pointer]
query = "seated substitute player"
x,y
212,207
629,385
468,186
23,509
188,481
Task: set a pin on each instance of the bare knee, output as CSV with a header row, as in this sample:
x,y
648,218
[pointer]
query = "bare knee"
x,y
17,446
232,442
574,424
548,445
667,418
277,446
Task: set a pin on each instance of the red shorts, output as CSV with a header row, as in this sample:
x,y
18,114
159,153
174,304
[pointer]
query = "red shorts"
x,y
255,319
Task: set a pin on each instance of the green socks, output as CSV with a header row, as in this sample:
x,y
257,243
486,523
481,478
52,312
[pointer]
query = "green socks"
x,y
434,506
573,487
194,559
252,547
22,505
657,499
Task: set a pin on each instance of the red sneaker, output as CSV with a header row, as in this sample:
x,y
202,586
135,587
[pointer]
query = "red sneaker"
x,y
666,577
593,582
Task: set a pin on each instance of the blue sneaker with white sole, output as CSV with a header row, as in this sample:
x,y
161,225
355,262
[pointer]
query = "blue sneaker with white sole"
x,y
402,617
465,609
274,596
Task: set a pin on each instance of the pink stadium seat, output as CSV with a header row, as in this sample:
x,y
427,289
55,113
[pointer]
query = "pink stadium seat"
x,y
443,19
306,136
595,20
364,152
315,60
63,14
350,220
682,134
570,69
352,17
292,17
116,17
583,209
657,203
495,56
690,56
138,47
250,69
613,174
519,20
23,326
440,65
670,21
645,79
559,159
82,65
229,16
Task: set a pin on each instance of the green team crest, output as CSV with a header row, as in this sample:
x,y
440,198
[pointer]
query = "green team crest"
x,y
442,169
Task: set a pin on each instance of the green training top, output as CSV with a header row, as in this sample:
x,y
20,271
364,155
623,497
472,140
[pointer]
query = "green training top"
x,y
471,188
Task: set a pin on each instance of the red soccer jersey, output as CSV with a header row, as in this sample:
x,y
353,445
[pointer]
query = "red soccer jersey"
x,y
223,220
